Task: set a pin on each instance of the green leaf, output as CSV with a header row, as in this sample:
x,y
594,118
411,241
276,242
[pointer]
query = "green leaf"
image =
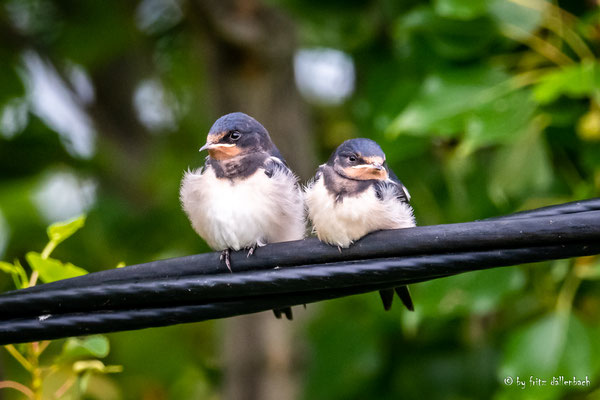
x,y
51,270
554,344
450,38
95,366
7,267
536,349
522,168
12,271
446,98
17,273
498,122
460,9
574,81
91,346
590,271
60,231
477,292
509,13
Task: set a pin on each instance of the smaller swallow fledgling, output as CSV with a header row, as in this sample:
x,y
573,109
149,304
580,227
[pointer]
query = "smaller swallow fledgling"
x,y
356,193
245,195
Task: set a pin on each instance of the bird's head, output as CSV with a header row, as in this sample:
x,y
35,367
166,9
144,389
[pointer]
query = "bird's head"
x,y
359,159
236,134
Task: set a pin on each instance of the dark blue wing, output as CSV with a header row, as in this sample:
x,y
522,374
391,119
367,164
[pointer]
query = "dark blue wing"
x,y
399,188
276,162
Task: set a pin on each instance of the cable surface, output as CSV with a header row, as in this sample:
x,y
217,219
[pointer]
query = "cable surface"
x,y
310,284
432,239
198,288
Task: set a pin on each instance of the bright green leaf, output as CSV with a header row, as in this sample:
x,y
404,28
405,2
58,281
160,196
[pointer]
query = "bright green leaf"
x,y
51,270
96,366
12,271
60,231
24,281
7,267
574,81
17,273
91,346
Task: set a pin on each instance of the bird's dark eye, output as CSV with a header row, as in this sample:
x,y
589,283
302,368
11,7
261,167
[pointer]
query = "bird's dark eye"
x,y
352,158
235,135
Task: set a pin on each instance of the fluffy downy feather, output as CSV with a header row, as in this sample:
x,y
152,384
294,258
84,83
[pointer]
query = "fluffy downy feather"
x,y
240,213
340,222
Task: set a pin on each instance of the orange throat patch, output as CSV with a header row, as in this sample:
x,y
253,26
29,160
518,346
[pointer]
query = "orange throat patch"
x,y
224,152
366,173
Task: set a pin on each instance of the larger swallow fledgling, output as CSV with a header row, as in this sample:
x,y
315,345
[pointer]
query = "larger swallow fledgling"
x,y
245,196
356,193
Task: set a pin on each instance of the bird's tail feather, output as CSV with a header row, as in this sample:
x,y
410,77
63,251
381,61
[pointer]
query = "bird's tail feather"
x,y
287,311
387,297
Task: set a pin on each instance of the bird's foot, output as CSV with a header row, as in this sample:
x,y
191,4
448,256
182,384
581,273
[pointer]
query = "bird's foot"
x,y
251,250
225,256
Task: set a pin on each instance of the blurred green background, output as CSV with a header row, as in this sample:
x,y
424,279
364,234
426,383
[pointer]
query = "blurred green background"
x,y
483,107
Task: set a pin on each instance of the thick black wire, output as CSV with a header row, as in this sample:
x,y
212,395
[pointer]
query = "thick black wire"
x,y
320,284
550,211
432,239
372,263
213,288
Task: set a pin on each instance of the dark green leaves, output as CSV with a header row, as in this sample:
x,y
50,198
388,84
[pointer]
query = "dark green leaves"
x,y
448,99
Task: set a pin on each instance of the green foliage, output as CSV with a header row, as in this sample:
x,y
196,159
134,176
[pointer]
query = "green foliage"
x,y
91,346
472,89
17,273
51,270
483,107
61,231
577,81
78,359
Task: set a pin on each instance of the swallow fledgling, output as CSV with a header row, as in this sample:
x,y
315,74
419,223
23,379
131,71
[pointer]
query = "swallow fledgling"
x,y
356,193
245,195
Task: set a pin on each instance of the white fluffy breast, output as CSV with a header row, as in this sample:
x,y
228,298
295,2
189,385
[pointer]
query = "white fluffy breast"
x,y
340,223
244,212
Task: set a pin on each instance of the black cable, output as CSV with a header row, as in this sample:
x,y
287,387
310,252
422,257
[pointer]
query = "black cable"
x,y
211,288
432,239
292,273
550,211
309,284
